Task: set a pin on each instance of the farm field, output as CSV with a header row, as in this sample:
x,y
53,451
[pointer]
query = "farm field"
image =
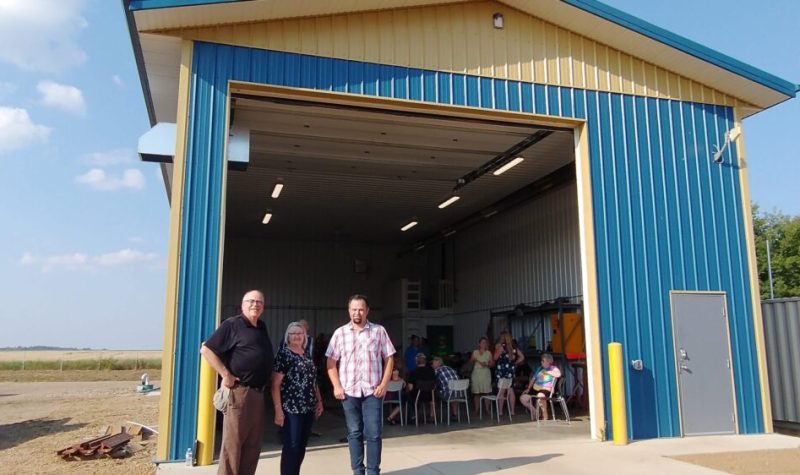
x,y
73,355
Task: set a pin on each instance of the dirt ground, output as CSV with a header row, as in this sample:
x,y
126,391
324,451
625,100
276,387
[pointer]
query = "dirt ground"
x,y
54,412
38,418
773,462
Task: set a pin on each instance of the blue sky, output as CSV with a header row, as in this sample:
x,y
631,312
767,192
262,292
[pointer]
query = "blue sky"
x,y
86,224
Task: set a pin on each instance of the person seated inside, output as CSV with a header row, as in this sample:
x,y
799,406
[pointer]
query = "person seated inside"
x,y
444,374
541,385
421,372
392,396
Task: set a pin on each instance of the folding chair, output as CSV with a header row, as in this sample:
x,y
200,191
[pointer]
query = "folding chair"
x,y
504,383
456,392
556,397
395,387
425,387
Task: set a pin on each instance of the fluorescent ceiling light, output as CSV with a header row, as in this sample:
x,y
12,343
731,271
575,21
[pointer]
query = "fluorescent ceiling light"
x,y
449,201
508,165
267,217
276,192
409,226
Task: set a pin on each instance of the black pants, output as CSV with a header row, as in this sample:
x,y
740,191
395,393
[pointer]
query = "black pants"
x,y
295,433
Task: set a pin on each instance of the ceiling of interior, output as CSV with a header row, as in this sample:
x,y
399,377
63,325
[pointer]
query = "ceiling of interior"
x,y
361,174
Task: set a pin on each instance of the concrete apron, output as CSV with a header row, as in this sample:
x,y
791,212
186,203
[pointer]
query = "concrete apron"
x,y
484,447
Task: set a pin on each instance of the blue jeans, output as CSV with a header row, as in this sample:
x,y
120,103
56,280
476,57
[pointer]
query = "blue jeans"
x,y
363,417
295,432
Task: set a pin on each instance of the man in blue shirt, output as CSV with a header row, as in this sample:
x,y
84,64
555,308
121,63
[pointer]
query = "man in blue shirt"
x,y
410,355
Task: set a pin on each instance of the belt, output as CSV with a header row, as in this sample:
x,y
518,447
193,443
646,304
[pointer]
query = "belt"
x,y
243,385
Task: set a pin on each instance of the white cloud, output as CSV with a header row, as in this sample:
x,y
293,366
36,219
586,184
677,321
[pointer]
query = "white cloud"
x,y
136,239
17,130
110,157
41,35
124,257
61,96
74,261
118,81
81,261
99,180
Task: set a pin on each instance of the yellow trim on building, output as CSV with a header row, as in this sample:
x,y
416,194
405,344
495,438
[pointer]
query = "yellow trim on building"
x,y
755,294
591,313
173,253
460,38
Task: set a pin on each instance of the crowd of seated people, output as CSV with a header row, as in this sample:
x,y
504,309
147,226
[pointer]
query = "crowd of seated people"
x,y
484,367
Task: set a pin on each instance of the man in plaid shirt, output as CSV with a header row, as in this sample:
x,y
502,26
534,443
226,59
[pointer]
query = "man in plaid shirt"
x,y
444,374
363,352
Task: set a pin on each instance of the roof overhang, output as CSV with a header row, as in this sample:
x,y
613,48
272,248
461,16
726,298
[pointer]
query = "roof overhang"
x,y
158,56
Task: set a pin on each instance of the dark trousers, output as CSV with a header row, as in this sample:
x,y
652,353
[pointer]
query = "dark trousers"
x,y
242,431
295,432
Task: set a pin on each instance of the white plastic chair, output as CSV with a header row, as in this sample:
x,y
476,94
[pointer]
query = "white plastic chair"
x,y
395,387
456,392
504,383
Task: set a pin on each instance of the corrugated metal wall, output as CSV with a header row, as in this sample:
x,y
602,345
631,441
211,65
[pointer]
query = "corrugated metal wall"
x,y
665,216
782,341
529,254
459,38
310,280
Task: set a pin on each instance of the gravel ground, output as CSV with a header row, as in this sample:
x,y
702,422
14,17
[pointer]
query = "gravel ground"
x,y
39,418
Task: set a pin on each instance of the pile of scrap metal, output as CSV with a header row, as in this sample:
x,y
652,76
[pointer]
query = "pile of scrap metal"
x,y
105,445
115,443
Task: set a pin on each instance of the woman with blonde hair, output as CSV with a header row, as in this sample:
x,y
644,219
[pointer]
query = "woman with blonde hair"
x,y
296,397
481,378
507,357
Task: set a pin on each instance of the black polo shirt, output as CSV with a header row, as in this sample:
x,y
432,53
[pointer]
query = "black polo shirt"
x,y
245,349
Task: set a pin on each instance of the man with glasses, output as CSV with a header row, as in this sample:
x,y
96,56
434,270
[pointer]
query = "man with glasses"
x,y
240,352
363,352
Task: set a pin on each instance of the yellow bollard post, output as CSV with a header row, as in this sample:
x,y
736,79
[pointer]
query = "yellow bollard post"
x,y
619,416
206,414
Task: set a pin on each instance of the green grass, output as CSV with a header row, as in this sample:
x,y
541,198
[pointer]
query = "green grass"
x,y
107,364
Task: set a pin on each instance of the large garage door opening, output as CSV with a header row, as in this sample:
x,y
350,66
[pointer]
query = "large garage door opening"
x,y
324,206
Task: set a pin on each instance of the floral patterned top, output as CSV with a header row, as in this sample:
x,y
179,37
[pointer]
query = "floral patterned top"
x,y
298,388
505,365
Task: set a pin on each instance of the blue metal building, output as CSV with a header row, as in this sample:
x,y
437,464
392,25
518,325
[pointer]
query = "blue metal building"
x,y
636,133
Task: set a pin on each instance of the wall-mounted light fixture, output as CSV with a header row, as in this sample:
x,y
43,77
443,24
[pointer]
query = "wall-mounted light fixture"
x,y
267,217
498,21
730,136
449,201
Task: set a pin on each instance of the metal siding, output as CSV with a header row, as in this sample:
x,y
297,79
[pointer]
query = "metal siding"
x,y
459,38
684,207
625,248
528,254
307,280
782,335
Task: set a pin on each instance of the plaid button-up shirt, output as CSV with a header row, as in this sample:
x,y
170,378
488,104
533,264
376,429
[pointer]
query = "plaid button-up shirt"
x,y
360,355
444,374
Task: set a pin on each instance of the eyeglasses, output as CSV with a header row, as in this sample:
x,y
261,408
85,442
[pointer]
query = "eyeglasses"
x,y
296,334
253,302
